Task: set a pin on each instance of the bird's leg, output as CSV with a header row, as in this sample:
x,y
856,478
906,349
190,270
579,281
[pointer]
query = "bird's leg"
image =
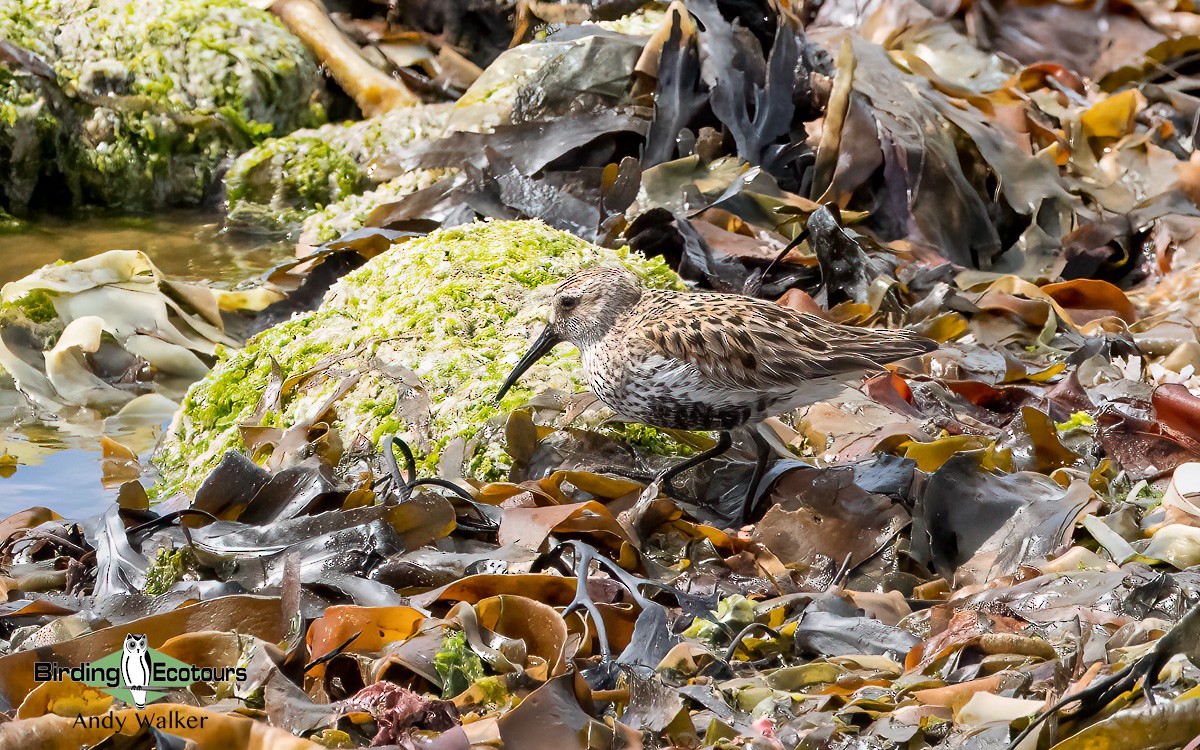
x,y
763,457
723,444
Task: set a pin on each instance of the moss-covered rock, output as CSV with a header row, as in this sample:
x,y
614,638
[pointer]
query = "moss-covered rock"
x,y
419,339
10,224
320,180
28,129
135,104
351,213
277,185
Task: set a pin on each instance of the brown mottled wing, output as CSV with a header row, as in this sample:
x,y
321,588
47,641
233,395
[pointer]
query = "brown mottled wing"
x,y
745,343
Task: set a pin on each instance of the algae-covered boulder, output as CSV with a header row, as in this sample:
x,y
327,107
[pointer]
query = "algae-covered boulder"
x,y
350,213
415,342
136,104
281,182
323,181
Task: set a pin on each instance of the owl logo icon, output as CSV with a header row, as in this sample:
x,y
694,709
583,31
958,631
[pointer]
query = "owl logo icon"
x,y
135,667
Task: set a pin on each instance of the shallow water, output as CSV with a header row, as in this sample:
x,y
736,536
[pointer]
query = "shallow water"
x,y
184,244
60,468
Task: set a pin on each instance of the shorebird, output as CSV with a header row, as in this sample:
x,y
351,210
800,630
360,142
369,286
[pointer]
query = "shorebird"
x,y
704,360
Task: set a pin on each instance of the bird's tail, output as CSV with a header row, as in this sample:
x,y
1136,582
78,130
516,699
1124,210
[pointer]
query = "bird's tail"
x,y
890,345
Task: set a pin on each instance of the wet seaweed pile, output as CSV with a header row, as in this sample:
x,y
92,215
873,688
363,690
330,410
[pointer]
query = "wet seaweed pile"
x,y
993,545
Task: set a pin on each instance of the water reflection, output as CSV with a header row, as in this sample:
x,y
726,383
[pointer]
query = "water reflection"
x,y
67,482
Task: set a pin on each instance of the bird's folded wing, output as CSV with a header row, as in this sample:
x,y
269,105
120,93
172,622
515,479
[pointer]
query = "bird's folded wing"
x,y
744,343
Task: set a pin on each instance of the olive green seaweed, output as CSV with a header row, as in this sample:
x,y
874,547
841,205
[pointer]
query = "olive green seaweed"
x,y
457,665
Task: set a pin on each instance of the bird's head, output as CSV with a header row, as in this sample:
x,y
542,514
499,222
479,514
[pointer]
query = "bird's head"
x,y
584,308
587,305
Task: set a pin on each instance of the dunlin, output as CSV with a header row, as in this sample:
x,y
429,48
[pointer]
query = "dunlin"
x,y
706,361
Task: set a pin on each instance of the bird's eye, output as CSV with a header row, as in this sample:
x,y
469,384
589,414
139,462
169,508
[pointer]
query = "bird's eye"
x,y
568,303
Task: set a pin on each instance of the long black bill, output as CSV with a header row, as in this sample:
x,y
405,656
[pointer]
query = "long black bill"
x,y
546,341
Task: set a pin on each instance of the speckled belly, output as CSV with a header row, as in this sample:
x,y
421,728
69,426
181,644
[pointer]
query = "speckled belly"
x,y
644,394
693,415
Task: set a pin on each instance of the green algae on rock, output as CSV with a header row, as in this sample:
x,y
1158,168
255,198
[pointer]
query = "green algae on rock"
x,y
350,213
416,342
27,127
277,185
322,181
136,105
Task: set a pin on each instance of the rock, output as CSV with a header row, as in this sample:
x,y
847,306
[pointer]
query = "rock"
x,y
324,182
139,104
279,184
416,342
350,213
